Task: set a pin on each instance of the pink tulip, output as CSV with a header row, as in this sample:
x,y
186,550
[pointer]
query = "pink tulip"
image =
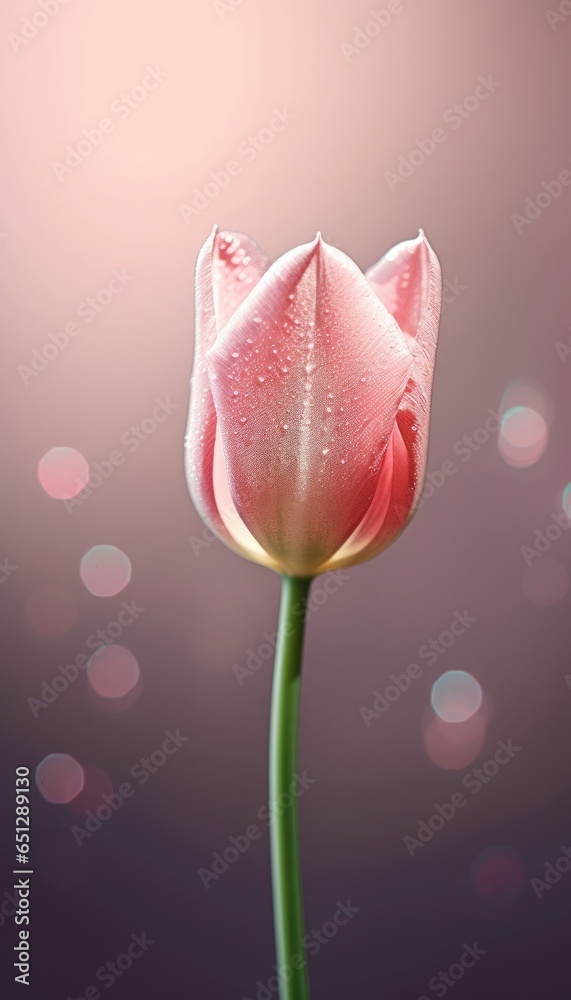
x,y
310,399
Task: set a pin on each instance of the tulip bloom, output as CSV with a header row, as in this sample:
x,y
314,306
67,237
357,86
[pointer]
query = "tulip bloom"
x,y
306,451
310,399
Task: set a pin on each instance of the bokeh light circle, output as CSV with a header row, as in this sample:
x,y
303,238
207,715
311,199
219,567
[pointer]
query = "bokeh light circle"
x,y
59,777
456,696
51,611
566,500
530,393
113,671
498,873
545,582
523,436
105,570
63,473
454,745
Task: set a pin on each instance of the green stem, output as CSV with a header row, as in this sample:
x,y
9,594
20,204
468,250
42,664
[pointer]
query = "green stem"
x,y
286,873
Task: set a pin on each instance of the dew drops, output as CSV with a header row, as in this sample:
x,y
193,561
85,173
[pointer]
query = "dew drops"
x,y
235,354
261,378
325,451
243,420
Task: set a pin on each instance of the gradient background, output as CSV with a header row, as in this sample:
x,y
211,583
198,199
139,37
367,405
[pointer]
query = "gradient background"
x,y
203,612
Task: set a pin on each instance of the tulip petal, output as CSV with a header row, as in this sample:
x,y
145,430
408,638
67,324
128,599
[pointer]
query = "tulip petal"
x,y
401,280
307,378
229,265
401,478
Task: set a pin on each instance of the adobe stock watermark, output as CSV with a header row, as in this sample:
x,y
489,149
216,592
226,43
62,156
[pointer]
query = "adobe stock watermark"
x,y
108,974
453,119
463,449
85,313
559,16
246,152
240,844
30,26
121,108
474,781
319,594
224,7
312,944
535,206
379,21
131,440
203,541
446,979
7,569
141,772
429,651
552,873
69,672
452,290
543,540
563,350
